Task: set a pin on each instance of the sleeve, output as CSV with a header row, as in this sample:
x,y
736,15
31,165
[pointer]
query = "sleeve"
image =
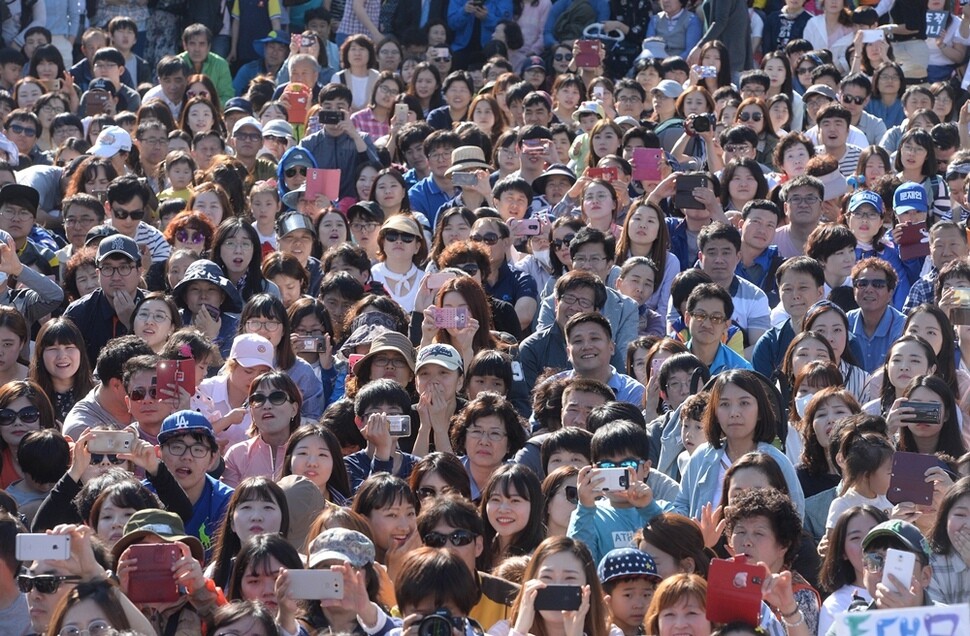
x,y
547,314
625,331
555,11
760,314
525,286
274,9
695,32
38,18
457,18
312,389
234,12
223,81
171,493
582,526
814,35
602,14
688,483
41,296
529,359
57,507
529,455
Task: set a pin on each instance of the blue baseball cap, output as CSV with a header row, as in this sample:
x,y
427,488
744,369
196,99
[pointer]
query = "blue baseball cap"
x,y
862,197
622,563
279,38
182,422
910,196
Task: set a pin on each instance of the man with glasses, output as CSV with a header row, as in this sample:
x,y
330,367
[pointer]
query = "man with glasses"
x,y
247,141
127,200
803,206
855,91
80,213
18,214
109,64
630,98
876,324
709,311
106,404
431,192
151,138
754,83
451,523
22,127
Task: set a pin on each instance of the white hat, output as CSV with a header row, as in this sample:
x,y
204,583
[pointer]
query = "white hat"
x,y
111,140
247,121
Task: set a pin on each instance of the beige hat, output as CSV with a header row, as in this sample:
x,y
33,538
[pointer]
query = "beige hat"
x,y
403,223
467,158
388,341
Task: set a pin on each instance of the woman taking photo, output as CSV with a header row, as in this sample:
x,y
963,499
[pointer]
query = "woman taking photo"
x,y
476,335
486,434
929,438
60,366
375,120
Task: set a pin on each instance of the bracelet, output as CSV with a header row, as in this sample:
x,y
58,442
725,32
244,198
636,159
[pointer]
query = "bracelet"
x,y
800,621
791,613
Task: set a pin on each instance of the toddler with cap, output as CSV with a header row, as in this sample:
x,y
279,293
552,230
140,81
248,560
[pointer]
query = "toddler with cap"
x,y
629,577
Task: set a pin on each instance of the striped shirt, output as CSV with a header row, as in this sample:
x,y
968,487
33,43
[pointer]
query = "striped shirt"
x,y
751,309
154,239
847,162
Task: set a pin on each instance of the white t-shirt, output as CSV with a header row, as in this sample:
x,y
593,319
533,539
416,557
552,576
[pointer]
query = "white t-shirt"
x,y
853,498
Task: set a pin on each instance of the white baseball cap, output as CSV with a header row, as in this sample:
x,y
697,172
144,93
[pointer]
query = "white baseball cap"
x,y
111,140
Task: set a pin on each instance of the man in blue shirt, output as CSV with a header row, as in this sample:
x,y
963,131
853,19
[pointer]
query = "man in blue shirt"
x,y
430,193
875,324
709,311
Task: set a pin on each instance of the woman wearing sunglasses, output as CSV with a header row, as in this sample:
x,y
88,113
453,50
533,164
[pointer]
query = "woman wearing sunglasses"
x,y
274,406
560,499
401,249
293,168
753,113
23,408
438,474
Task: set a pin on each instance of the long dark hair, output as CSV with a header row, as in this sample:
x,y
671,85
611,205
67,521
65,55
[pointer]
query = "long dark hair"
x,y
939,537
658,251
60,331
946,357
266,306
507,480
837,571
950,440
230,227
256,553
887,394
339,481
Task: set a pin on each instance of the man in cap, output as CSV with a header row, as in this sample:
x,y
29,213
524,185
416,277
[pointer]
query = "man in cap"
x,y
438,375
106,312
18,212
101,97
109,64
22,127
236,108
272,51
125,210
278,137
534,71
113,143
911,206
210,302
247,140
292,169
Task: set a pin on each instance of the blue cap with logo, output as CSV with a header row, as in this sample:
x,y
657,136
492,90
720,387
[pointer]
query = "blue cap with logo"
x,y
622,563
182,422
863,197
910,196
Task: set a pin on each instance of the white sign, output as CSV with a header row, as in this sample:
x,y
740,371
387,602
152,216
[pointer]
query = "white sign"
x,y
933,620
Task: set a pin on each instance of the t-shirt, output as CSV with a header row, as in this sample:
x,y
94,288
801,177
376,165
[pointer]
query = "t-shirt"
x,y
15,618
853,498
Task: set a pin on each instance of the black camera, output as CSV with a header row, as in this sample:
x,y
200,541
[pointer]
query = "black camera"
x,y
440,623
330,117
703,122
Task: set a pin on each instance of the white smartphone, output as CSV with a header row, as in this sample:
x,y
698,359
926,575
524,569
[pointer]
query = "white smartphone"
x,y
316,584
615,479
111,442
873,35
900,564
41,547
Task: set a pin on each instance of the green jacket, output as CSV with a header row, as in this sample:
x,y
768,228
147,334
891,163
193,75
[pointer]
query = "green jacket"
x,y
217,68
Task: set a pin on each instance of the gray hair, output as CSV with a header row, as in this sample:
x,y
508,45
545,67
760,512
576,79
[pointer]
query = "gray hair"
x,y
304,58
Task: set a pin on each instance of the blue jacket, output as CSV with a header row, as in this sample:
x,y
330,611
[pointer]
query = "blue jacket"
x,y
285,162
678,242
559,6
462,23
603,528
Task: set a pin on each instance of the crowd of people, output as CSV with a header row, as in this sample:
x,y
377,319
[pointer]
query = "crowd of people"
x,y
519,318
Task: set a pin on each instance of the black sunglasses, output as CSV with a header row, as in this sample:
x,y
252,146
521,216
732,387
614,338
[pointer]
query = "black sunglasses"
x,y
491,238
27,415
45,583
291,172
563,57
458,538
275,398
121,215
394,236
139,394
469,268
97,458
563,242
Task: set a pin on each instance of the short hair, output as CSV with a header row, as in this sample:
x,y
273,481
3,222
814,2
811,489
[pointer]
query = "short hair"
x,y
350,253
588,385
171,65
115,353
755,76
570,439
577,278
381,392
412,134
959,268
614,411
678,362
874,262
802,265
441,139
777,508
945,135
588,235
803,181
44,455
489,405
834,110
137,364
694,406
714,291
194,30
84,200
762,204
438,574
455,510
620,437
718,230
589,316
109,54
513,184
738,135
860,80
827,239
125,188
334,91
684,283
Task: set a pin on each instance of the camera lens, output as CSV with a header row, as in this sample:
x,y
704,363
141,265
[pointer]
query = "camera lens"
x,y
434,625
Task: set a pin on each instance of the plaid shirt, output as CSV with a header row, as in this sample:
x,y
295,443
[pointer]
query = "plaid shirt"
x,y
137,11
951,579
364,121
921,291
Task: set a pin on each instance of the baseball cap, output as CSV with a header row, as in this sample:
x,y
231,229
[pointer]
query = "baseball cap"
x,y
279,128
118,245
152,522
102,84
533,61
341,544
22,195
273,37
97,234
902,532
622,563
441,354
247,121
111,140
910,196
252,350
240,105
862,197
669,88
820,89
185,422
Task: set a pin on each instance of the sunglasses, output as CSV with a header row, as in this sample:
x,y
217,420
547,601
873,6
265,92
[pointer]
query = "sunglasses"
x,y
442,60
97,458
563,242
750,117
45,583
862,283
572,494
630,462
458,538
469,268
121,215
20,130
139,394
850,99
291,172
182,236
275,398
491,239
393,236
27,415
563,57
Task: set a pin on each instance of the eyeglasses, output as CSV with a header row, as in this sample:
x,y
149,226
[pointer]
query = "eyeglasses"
x,y
386,361
629,462
873,561
191,94
572,494
442,60
154,141
80,221
853,99
458,538
275,398
737,148
595,261
493,435
243,136
20,130
491,238
254,324
123,270
563,57
701,316
866,216
16,213
426,491
97,458
387,89
97,628
875,283
440,156
363,227
139,394
563,242
121,215
393,236
178,449
810,199
274,138
291,172
183,236
629,99
745,117
44,583
27,415
469,268
572,299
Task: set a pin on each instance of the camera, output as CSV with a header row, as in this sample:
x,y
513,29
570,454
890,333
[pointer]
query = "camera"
x,y
703,122
330,117
440,623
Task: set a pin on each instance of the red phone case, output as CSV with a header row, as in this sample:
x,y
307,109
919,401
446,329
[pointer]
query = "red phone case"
x,y
153,582
588,56
734,591
299,97
606,174
914,241
172,373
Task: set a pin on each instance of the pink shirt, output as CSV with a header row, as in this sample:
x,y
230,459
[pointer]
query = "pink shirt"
x,y
252,458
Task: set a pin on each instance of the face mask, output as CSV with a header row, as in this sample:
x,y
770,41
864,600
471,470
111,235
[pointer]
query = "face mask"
x,y
801,403
543,257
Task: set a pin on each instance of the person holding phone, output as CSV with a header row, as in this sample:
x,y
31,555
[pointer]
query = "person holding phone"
x,y
375,119
209,301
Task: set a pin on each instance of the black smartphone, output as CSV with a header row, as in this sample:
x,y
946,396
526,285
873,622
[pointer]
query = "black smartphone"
x,y
684,199
563,598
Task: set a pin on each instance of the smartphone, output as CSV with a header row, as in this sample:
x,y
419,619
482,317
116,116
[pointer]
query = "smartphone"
x,y
684,199
352,361
907,481
655,366
41,547
914,241
606,174
309,344
95,103
438,279
450,317
961,315
589,54
213,311
401,113
734,591
533,144
313,126
926,412
154,582
599,92
315,585
298,98
900,564
564,598
525,227
464,179
647,163
51,86
172,374
440,51
331,117
517,374
873,35
615,479
306,41
400,425
111,442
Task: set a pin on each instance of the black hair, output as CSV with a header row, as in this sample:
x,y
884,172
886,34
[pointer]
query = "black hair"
x,y
570,439
613,411
381,392
44,455
115,353
618,438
